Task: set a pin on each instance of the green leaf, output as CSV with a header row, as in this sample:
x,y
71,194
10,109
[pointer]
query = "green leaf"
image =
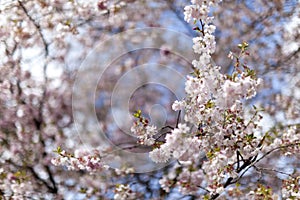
x,y
20,176
234,76
209,104
137,114
68,22
58,150
3,176
210,155
250,137
239,119
251,73
243,46
83,190
178,170
196,73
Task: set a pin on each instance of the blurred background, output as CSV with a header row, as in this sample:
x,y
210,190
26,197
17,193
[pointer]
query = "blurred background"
x,y
44,43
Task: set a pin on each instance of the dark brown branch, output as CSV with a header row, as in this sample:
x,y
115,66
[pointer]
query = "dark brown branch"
x,y
39,30
162,135
276,149
272,170
203,188
178,118
36,176
202,27
170,127
251,163
38,121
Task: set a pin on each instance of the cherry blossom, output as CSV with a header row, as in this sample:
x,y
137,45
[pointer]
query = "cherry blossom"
x,y
236,136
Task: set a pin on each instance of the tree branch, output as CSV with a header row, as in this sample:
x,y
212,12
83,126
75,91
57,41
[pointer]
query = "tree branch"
x,y
39,30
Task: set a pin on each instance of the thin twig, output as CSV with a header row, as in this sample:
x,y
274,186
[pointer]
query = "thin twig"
x,y
162,135
275,149
178,118
39,30
170,127
273,170
249,163
202,27
203,188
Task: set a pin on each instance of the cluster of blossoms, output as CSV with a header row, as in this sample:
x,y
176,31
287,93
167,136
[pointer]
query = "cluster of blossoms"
x,y
33,119
261,192
290,139
124,192
81,160
221,140
216,143
143,131
205,44
35,116
291,188
16,184
176,144
110,6
182,175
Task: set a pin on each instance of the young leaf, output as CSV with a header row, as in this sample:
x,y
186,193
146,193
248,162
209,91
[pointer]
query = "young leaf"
x,y
137,113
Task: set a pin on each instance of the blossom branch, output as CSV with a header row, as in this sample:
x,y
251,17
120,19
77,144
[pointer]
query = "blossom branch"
x,y
39,30
52,189
251,164
260,169
276,149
